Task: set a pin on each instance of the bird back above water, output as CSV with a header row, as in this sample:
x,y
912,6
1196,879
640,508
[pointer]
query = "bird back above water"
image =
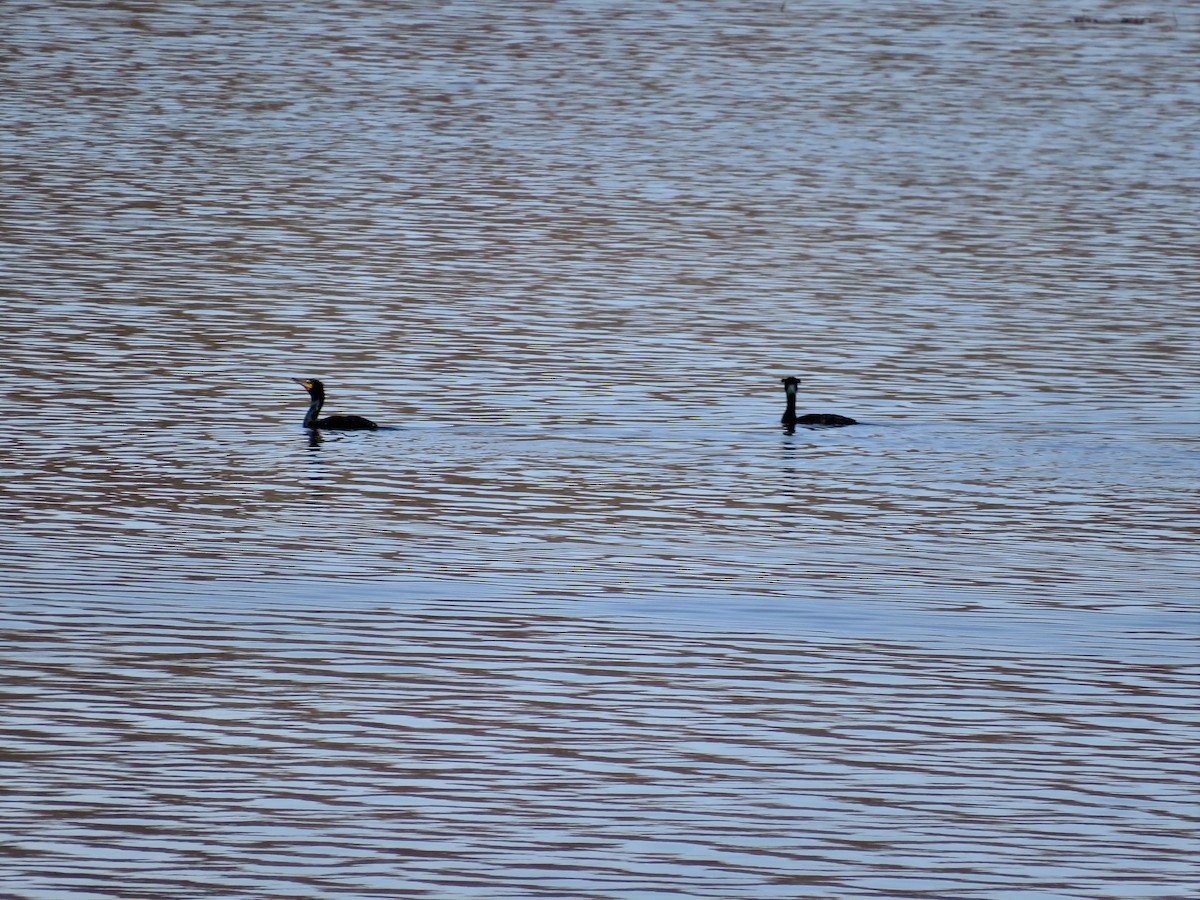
x,y
789,420
316,391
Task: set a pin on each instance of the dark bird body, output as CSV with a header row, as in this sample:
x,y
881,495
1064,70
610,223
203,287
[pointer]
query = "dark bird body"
x,y
316,390
790,420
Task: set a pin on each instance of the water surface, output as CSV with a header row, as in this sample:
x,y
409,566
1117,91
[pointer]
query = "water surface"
x,y
581,621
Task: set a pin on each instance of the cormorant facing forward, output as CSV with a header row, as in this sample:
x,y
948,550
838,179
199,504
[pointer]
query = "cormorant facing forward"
x,y
316,390
790,420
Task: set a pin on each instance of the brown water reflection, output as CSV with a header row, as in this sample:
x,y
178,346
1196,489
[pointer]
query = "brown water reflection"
x,y
455,748
580,621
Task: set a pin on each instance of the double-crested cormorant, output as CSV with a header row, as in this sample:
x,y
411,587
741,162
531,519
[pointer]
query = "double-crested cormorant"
x,y
316,390
790,420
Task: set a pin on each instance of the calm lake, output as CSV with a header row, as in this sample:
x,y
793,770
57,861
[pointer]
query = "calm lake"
x,y
580,620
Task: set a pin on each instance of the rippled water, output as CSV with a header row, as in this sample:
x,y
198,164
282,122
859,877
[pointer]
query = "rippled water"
x,y
581,621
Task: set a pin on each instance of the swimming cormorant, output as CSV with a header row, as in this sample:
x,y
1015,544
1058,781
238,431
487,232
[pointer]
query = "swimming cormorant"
x,y
790,420
316,390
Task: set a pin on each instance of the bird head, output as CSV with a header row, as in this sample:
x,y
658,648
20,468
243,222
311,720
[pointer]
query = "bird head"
x,y
312,385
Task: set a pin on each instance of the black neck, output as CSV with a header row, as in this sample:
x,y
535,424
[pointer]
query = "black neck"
x,y
789,414
314,410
